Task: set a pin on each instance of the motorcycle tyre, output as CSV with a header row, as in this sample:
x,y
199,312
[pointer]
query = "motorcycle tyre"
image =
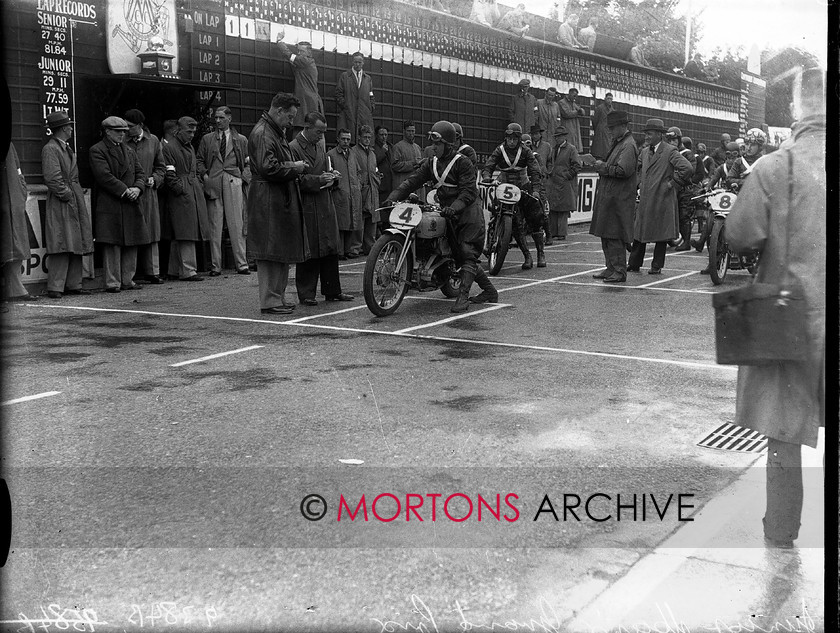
x,y
452,287
370,271
500,243
719,255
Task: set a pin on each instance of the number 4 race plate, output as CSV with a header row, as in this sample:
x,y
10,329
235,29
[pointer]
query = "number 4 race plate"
x,y
405,216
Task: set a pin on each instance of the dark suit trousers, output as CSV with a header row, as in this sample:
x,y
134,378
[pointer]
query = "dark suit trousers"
x,y
307,273
615,255
637,255
784,490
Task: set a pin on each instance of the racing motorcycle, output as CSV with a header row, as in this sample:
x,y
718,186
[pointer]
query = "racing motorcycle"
x,y
415,253
505,207
721,258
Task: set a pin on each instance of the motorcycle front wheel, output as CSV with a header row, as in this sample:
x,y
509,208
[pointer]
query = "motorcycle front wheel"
x,y
499,243
718,253
384,285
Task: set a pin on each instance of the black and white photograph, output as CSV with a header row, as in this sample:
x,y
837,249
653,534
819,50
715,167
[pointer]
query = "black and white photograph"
x,y
434,316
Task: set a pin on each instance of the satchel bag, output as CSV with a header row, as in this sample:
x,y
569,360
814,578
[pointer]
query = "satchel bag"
x,y
762,323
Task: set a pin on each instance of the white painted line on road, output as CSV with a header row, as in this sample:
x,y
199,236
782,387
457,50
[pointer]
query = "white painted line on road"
x,y
629,287
490,308
667,279
37,396
324,314
336,328
546,281
212,356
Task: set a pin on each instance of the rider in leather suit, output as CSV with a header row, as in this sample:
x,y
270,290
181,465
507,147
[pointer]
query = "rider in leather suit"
x,y
453,175
519,167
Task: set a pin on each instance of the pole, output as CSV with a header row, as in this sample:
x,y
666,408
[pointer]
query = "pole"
x,y
687,33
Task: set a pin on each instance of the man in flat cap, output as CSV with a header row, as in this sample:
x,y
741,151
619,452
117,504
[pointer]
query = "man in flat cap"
x,y
67,224
562,170
306,80
120,224
612,215
662,172
523,106
187,221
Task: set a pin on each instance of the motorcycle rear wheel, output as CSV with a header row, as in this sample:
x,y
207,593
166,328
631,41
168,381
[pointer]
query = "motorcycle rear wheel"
x,y
499,243
718,253
452,287
384,286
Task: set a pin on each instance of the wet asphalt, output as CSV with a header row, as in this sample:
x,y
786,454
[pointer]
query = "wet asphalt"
x,y
169,496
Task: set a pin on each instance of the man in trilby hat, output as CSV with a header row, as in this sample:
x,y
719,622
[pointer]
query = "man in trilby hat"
x,y
67,224
561,186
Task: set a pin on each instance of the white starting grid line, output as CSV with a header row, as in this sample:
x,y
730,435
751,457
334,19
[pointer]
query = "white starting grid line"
x,y
407,334
37,396
219,355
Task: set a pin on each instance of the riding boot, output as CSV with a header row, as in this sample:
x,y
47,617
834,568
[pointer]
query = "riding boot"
x,y
462,303
523,246
547,230
685,234
538,240
488,293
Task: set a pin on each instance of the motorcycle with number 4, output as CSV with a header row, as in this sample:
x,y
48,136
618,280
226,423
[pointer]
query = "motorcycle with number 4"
x,y
721,258
500,230
415,253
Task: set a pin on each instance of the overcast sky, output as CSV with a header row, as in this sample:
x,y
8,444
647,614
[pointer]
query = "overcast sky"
x,y
730,23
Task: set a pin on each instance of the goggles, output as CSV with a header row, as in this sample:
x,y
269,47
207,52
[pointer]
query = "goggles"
x,y
527,143
732,154
435,137
512,134
671,136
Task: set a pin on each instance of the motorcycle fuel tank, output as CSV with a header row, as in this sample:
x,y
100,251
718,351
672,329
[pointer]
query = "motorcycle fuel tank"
x,y
432,225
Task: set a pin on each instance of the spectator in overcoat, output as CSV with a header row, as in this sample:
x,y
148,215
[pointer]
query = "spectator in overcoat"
x,y
382,148
320,223
662,172
150,154
276,237
570,113
68,223
369,185
523,106
354,96
305,72
548,114
14,235
561,186
186,208
602,142
781,212
612,215
346,194
405,156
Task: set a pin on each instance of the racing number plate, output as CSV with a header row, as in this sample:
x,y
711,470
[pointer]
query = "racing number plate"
x,y
508,193
405,215
722,201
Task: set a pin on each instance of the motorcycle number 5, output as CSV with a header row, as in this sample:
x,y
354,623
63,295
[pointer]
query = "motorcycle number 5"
x,y
508,193
405,215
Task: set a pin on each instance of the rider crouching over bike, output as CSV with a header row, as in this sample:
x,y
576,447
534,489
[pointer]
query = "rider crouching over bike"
x,y
719,178
742,166
454,178
519,167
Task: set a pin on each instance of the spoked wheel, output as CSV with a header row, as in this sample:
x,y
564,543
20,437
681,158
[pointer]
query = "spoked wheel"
x,y
452,287
385,286
500,242
718,253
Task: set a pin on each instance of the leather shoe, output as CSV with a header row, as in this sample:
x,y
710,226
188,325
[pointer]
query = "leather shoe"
x,y
684,246
154,279
352,255
341,297
195,277
705,271
615,279
601,275
54,294
278,310
112,290
77,291
655,271
215,273
243,271
26,297
132,287
633,269
308,302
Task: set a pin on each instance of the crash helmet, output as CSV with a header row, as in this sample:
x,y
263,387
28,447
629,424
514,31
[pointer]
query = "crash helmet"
x,y
442,131
459,131
526,140
673,133
756,136
514,129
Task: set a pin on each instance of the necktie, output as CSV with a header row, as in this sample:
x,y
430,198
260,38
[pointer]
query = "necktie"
x,y
652,149
223,146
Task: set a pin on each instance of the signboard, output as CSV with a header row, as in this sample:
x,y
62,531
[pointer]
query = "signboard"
x,y
131,24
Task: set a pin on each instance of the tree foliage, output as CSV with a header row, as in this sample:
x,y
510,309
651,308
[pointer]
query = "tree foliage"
x,y
651,23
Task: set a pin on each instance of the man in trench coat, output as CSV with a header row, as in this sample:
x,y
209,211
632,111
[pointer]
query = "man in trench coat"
x,y
346,194
306,79
150,154
663,171
781,211
612,216
68,224
570,113
561,184
186,209
120,224
354,96
14,235
275,221
319,218
369,183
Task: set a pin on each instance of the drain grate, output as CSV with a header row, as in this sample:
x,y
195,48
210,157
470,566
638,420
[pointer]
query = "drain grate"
x,y
728,437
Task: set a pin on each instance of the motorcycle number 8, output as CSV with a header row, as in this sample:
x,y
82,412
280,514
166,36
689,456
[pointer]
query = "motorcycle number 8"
x,y
405,215
508,193
723,201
